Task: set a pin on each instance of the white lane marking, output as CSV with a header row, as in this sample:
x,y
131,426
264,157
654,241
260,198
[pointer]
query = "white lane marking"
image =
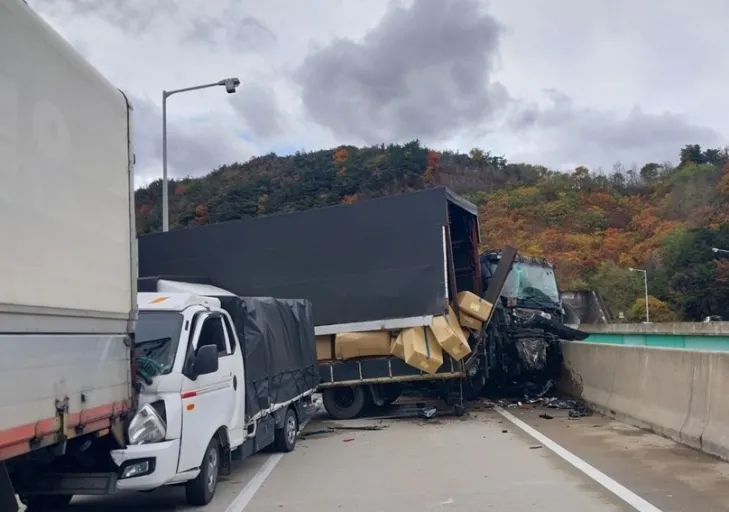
x,y
246,495
608,483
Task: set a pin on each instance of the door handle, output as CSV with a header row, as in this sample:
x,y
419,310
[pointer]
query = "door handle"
x,y
235,382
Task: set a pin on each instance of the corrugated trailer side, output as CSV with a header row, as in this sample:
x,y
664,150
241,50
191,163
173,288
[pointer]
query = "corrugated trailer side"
x,y
67,249
360,264
67,261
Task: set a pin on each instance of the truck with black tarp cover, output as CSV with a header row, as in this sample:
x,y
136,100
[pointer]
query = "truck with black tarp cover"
x,y
373,270
219,374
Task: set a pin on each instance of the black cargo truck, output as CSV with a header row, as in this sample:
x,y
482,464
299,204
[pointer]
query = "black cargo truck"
x,y
385,264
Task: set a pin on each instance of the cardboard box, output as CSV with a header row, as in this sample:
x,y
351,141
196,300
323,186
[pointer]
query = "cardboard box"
x,y
350,345
473,305
449,335
468,321
396,349
421,349
325,347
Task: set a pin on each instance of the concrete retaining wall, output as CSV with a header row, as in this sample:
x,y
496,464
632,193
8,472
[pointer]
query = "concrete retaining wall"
x,y
688,335
681,394
690,328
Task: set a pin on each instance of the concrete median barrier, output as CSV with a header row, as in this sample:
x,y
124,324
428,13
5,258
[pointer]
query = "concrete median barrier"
x,y
715,438
680,394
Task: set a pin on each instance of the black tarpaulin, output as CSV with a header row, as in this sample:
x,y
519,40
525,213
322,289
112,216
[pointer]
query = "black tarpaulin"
x,y
375,260
278,347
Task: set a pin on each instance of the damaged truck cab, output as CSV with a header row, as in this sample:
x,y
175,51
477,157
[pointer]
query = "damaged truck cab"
x,y
530,322
205,388
531,286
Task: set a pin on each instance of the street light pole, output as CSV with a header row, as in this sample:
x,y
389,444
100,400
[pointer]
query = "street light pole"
x,y
717,250
645,284
230,85
165,199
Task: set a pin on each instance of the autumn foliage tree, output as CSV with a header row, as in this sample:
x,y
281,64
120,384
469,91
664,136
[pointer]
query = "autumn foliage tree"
x,y
658,310
592,223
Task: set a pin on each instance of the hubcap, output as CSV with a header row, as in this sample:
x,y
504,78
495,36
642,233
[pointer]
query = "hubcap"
x,y
291,429
212,469
344,397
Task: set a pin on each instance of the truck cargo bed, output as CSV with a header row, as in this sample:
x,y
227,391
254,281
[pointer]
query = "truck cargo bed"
x,y
57,387
278,349
377,370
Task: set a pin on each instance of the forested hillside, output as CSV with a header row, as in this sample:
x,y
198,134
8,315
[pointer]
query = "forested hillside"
x,y
594,225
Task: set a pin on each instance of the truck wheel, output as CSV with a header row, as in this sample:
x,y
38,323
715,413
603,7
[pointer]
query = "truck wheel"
x,y
392,393
200,492
286,436
345,403
43,503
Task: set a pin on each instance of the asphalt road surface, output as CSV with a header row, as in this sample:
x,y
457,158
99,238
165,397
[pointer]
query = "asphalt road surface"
x,y
484,461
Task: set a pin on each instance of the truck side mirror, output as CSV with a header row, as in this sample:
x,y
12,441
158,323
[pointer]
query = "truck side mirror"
x,y
206,360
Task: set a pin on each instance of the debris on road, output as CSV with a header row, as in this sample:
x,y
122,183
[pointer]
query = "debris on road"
x,y
363,427
427,412
414,411
535,447
577,408
329,430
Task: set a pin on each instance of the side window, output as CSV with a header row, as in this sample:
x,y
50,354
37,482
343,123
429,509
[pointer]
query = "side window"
x,y
231,335
212,334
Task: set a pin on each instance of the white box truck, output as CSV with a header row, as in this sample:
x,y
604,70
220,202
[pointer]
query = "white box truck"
x,y
220,376
67,267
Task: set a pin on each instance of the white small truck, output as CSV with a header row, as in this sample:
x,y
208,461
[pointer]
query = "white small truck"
x,y
220,374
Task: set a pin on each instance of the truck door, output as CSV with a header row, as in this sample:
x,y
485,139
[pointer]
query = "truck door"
x,y
206,399
237,369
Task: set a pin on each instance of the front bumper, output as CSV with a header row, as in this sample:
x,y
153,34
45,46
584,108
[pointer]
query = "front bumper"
x,y
162,458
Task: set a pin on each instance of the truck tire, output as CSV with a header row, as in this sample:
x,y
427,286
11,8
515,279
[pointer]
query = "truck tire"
x,y
200,492
392,393
285,440
345,403
42,503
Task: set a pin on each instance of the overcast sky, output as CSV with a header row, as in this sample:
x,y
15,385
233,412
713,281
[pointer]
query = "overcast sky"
x,y
559,82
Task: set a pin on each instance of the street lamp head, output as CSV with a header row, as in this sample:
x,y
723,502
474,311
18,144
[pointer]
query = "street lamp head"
x,y
230,84
631,269
715,249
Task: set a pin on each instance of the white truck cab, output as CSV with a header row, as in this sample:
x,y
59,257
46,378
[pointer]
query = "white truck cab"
x,y
192,400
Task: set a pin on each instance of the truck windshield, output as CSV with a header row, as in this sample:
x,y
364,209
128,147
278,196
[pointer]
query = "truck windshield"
x,y
157,336
531,282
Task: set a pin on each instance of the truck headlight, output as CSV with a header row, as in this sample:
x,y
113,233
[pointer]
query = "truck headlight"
x,y
147,426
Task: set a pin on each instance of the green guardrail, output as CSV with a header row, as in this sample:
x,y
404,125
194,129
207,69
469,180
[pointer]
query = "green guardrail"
x,y
689,342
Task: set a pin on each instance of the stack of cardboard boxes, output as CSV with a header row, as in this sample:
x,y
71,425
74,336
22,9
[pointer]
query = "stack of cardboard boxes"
x,y
420,347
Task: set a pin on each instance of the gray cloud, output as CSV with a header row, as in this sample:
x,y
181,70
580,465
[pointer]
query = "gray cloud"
x,y
241,33
423,71
190,152
571,133
258,106
427,71
133,16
